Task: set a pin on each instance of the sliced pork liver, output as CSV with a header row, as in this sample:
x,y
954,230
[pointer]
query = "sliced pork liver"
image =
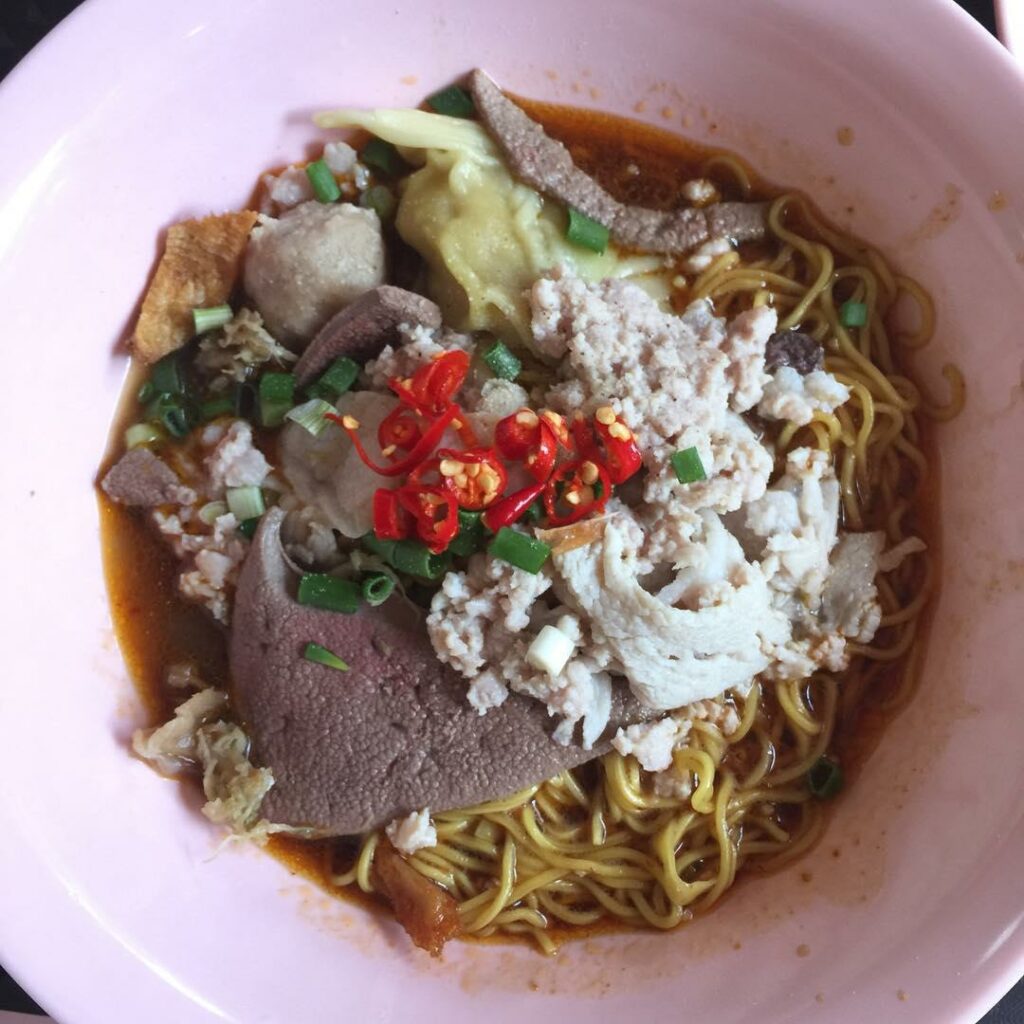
x,y
142,479
546,165
796,349
362,329
353,750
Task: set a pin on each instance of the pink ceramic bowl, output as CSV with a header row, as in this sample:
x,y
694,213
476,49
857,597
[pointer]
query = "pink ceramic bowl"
x,y
113,906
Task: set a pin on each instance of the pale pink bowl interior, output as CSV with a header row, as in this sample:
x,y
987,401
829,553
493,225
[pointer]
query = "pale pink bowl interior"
x,y
113,906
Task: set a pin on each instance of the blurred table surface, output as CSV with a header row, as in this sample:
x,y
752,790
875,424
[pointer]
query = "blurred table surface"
x,y
22,24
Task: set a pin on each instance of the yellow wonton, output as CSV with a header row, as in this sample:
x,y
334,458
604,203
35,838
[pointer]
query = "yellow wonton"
x,y
484,236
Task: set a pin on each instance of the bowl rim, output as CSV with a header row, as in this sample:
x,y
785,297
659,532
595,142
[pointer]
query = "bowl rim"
x,y
89,20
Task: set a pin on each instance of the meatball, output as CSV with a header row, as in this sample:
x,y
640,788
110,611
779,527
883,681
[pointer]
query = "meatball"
x,y
311,262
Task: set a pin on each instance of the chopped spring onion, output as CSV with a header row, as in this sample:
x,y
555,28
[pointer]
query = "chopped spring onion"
x,y
332,594
417,560
452,102
853,314
408,556
166,376
247,527
245,502
212,511
336,379
584,231
214,407
322,656
277,394
517,549
325,188
377,588
171,414
382,155
310,415
689,469
245,400
146,392
825,778
471,535
535,513
142,433
502,361
210,318
381,200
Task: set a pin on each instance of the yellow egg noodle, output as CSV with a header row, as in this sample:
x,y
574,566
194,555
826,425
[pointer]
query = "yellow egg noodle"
x,y
597,843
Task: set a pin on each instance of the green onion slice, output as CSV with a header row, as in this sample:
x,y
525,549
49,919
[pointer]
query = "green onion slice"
x,y
689,469
322,656
586,232
244,398
825,779
277,395
211,317
332,594
408,556
325,188
471,535
502,361
146,393
142,433
171,414
245,502
381,200
166,376
212,511
535,513
247,527
214,407
310,415
336,379
452,102
853,314
382,155
518,549
417,559
377,588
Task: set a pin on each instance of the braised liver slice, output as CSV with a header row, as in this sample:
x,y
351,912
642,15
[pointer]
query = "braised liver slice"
x,y
546,165
351,751
362,329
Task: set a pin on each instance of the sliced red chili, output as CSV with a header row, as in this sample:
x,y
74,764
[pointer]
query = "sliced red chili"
x,y
580,487
511,509
467,435
476,477
515,436
431,387
390,521
584,439
556,424
427,474
621,454
541,461
400,429
423,447
436,513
